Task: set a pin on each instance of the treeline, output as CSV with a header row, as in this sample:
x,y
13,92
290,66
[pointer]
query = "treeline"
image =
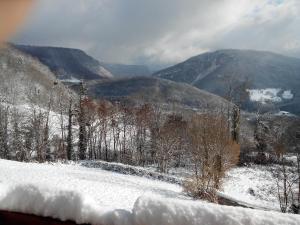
x,y
139,135
278,148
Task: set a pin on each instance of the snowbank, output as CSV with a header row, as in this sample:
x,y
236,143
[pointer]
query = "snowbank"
x,y
71,191
151,211
62,205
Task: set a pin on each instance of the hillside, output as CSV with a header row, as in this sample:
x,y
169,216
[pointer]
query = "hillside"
x,y
25,80
66,63
272,77
156,90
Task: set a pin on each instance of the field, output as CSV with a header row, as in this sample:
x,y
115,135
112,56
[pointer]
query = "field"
x,y
96,196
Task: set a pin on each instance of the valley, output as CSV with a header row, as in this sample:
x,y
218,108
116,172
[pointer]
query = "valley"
x,y
71,122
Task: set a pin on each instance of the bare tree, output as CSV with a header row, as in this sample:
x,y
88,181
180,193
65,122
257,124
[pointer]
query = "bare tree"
x,y
171,141
142,115
212,151
293,139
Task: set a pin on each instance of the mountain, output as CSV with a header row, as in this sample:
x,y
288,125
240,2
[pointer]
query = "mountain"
x,y
273,78
25,80
74,64
154,90
68,64
121,71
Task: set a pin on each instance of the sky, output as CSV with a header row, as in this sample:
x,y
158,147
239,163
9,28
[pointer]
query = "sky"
x,y
163,32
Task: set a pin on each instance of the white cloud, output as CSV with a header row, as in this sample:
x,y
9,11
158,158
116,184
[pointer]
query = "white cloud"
x,y
164,32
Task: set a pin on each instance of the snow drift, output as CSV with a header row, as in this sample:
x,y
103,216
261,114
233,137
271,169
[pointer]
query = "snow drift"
x,y
151,211
148,210
62,205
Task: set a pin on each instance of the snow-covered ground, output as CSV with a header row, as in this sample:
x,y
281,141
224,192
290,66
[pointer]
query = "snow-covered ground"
x,y
78,192
108,189
253,185
91,195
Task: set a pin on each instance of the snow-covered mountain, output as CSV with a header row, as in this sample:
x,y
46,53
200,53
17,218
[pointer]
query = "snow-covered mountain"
x,y
68,64
216,71
74,64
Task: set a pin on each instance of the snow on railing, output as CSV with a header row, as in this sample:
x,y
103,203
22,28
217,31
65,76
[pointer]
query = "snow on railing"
x,y
147,210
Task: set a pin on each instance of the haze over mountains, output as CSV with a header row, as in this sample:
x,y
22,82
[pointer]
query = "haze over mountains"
x,y
271,78
121,70
68,64
119,82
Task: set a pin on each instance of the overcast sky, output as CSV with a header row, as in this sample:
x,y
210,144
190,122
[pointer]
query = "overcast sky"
x,y
163,32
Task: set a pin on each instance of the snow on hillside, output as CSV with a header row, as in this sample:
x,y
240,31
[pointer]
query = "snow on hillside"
x,y
253,185
287,94
55,118
270,95
71,80
90,195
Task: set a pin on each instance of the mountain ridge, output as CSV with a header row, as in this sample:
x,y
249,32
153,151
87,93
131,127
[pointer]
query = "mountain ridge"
x,y
213,71
73,63
67,63
155,90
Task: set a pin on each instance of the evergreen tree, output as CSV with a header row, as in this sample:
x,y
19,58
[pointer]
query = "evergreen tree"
x,y
82,145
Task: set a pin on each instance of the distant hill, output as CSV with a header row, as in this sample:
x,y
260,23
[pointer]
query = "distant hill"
x,y
25,80
266,72
154,90
68,64
72,65
122,71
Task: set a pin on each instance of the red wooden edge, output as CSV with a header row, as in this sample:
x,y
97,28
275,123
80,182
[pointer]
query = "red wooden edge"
x,y
12,218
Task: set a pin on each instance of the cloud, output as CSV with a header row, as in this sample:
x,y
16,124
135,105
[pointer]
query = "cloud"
x,y
161,32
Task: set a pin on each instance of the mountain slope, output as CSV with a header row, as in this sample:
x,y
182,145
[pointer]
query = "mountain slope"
x,y
214,70
25,80
67,63
148,89
121,70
